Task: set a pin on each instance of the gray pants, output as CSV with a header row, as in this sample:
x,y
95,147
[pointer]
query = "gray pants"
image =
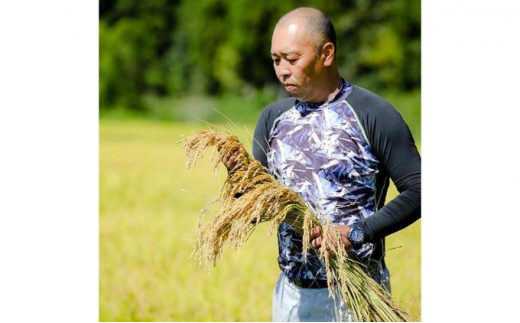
x,y
294,304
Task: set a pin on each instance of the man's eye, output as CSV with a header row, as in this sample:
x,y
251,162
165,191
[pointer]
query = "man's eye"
x,y
292,61
276,61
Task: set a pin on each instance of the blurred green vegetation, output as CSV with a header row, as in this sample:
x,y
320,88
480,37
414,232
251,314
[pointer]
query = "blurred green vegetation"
x,y
180,60
243,109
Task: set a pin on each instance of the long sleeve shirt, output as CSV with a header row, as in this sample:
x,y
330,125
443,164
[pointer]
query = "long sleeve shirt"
x,y
339,156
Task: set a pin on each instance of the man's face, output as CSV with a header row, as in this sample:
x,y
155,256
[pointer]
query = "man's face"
x,y
296,62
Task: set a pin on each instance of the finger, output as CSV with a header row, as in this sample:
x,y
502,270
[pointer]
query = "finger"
x,y
316,243
315,232
227,162
232,162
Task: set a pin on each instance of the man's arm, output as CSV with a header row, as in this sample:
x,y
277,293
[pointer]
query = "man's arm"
x,y
393,145
261,137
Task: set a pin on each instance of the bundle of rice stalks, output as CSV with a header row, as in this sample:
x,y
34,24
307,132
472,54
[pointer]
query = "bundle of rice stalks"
x,y
250,195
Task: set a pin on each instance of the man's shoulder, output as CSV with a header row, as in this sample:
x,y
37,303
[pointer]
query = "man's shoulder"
x,y
367,104
271,113
287,102
362,96
276,108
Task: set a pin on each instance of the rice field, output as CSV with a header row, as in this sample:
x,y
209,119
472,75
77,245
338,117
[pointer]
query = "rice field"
x,y
149,206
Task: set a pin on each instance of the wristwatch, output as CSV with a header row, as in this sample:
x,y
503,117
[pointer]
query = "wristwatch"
x,y
356,235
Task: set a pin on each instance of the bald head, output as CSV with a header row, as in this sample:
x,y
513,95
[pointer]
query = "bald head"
x,y
302,49
318,26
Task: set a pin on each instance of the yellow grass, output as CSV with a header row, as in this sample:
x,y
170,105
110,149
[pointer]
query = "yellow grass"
x,y
147,231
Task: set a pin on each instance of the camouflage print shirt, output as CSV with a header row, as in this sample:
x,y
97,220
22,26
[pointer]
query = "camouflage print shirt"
x,y
319,151
339,155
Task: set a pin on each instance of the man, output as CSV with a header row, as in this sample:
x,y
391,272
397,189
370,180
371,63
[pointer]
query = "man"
x,y
337,145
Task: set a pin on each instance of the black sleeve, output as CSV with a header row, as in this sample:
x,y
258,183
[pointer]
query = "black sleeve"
x,y
263,127
399,159
261,138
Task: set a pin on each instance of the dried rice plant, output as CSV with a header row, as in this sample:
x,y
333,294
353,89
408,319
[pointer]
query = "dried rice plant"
x,y
249,196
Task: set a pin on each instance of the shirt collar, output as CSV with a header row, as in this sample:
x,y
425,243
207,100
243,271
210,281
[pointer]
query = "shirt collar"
x,y
306,107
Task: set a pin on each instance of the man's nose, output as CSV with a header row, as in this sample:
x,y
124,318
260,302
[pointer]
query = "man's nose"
x,y
284,72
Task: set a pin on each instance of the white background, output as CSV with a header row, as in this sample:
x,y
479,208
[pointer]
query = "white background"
x,y
49,160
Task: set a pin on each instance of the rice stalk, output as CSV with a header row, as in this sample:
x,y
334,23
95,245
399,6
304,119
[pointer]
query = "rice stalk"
x,y
249,196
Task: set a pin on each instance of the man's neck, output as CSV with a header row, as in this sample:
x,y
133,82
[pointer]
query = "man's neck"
x,y
335,88
330,90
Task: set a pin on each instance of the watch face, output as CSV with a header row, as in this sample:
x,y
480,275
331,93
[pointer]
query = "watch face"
x,y
356,236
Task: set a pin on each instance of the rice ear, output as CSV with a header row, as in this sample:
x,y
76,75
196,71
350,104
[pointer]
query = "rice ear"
x,y
249,196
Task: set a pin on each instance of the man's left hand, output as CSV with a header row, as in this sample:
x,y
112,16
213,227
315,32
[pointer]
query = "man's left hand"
x,y
316,237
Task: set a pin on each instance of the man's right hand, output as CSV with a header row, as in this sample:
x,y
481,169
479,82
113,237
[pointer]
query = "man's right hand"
x,y
230,160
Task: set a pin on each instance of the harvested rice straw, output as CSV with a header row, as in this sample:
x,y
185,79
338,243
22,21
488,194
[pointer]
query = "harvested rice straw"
x,y
250,195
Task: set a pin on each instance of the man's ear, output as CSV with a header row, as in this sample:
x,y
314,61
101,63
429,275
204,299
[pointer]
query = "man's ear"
x,y
327,53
